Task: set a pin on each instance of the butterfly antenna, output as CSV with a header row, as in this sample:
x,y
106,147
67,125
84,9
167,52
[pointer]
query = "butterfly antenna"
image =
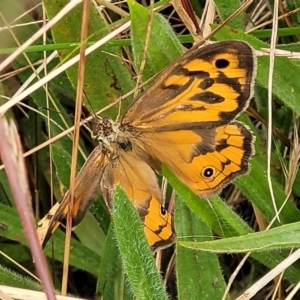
x,y
90,104
95,120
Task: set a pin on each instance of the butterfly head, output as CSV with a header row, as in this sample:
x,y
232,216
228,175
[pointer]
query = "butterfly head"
x,y
105,130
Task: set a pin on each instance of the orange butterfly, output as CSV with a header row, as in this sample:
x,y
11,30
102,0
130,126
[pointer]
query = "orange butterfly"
x,y
185,120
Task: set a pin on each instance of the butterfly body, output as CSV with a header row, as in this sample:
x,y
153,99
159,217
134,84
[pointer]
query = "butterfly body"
x,y
185,120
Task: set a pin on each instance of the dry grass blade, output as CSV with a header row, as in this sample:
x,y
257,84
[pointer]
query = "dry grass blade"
x,y
249,293
39,33
294,160
4,296
23,294
59,70
188,17
12,156
270,89
79,97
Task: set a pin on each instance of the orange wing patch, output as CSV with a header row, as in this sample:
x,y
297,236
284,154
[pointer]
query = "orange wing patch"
x,y
140,184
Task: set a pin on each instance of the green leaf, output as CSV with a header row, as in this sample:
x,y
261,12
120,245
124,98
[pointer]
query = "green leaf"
x,y
136,255
162,37
96,237
227,8
111,282
202,267
80,256
106,77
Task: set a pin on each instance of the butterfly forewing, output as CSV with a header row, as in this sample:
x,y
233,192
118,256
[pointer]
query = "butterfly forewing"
x,y
87,184
207,87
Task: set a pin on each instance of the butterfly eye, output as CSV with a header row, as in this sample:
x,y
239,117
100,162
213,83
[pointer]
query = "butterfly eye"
x,y
208,172
222,63
163,210
125,145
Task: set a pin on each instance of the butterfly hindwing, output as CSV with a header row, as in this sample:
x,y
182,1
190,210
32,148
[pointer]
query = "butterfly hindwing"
x,y
140,184
204,159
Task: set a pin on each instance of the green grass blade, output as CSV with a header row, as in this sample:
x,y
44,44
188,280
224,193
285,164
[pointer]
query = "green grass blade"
x,y
285,236
13,279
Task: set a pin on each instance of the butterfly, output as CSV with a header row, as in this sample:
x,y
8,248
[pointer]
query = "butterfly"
x,y
185,120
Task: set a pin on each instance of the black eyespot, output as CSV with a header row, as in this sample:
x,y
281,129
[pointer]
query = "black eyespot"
x,y
208,172
163,210
222,63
